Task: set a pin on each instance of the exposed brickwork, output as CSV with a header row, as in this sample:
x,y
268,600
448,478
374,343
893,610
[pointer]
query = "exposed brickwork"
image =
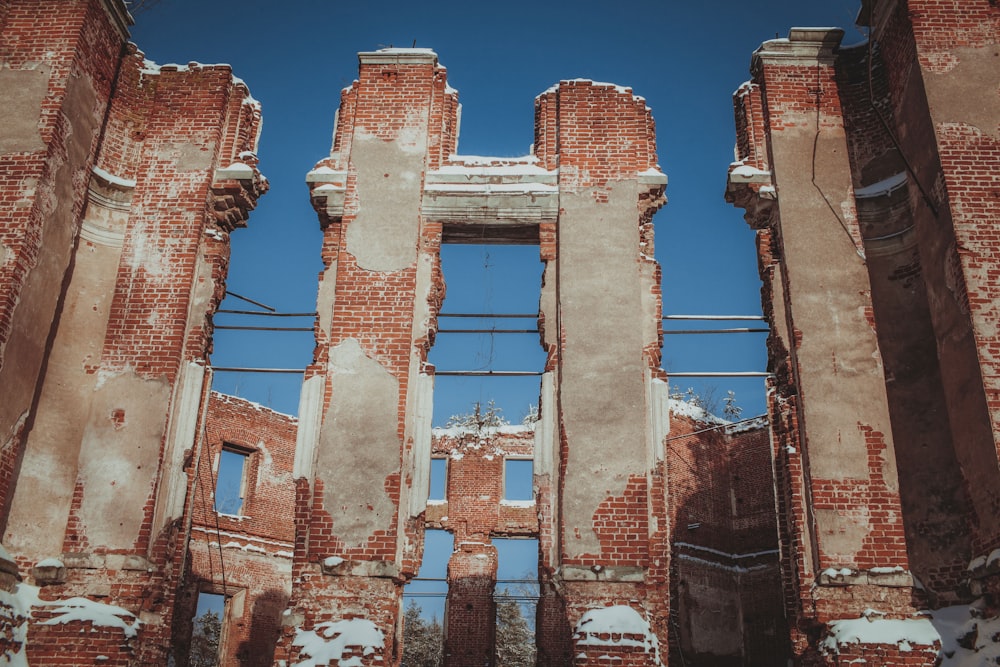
x,y
113,261
247,557
725,583
66,67
870,180
918,166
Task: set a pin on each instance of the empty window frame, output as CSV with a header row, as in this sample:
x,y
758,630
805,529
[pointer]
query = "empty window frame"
x,y
518,479
430,587
439,479
207,628
231,480
516,596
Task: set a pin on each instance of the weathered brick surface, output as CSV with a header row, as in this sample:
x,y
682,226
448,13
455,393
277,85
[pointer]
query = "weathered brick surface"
x,y
726,601
247,557
918,164
377,319
60,66
113,261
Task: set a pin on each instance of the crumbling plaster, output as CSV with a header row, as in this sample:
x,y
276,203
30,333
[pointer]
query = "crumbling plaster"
x,y
602,393
359,426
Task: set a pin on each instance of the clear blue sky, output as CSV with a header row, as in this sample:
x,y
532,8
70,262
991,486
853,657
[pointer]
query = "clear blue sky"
x,y
684,58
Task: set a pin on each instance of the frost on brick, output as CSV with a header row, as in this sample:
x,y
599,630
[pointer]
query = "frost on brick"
x,y
97,614
329,641
16,611
618,625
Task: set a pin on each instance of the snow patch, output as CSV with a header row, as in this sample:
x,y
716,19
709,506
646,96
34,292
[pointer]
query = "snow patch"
x,y
748,171
50,562
328,642
515,168
517,503
833,572
884,187
488,160
97,613
114,180
239,170
618,625
694,412
332,561
872,629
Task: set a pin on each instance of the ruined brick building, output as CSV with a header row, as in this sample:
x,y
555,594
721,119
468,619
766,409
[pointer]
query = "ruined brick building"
x,y
871,175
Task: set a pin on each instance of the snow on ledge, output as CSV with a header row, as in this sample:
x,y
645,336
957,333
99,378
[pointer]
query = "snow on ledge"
x,y
327,643
108,177
873,629
618,625
97,613
517,503
488,160
625,90
884,187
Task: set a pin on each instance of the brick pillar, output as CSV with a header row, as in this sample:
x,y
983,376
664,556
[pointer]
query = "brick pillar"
x,y
60,62
843,543
118,404
602,297
940,62
365,411
470,635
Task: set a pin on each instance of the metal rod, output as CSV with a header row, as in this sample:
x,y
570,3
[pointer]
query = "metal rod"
x,y
487,314
236,328
255,312
491,331
499,581
488,373
714,317
239,369
715,331
720,374
256,303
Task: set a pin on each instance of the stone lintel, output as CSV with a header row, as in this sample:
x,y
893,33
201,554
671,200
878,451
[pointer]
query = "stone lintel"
x,y
351,568
398,57
625,574
888,577
802,46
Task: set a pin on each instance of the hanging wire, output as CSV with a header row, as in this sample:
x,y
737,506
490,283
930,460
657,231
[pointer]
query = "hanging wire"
x,y
218,528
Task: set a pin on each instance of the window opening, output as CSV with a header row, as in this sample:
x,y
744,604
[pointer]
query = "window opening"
x,y
231,481
439,479
206,630
259,353
518,479
488,281
516,596
429,588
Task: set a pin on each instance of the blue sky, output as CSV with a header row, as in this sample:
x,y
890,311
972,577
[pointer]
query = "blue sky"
x,y
684,58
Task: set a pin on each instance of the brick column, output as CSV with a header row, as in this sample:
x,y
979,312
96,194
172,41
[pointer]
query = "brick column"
x,y
843,543
118,403
941,74
365,412
470,637
60,63
611,513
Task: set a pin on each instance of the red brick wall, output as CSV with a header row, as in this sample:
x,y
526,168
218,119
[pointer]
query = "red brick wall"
x,y
250,553
927,254
474,512
102,108
69,52
725,582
